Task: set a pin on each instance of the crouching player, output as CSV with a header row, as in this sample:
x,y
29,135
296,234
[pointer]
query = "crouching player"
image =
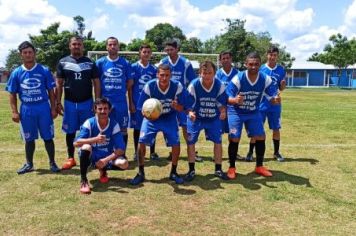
x,y
101,144
245,91
206,108
172,95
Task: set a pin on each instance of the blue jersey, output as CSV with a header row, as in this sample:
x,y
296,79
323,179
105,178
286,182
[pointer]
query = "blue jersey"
x,y
174,91
252,92
224,77
206,102
31,85
113,77
141,75
277,74
182,70
114,140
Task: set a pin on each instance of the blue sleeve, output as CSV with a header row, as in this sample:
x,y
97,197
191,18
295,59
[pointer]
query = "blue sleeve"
x,y
118,141
190,101
12,85
83,133
143,97
190,74
222,98
182,98
231,90
50,84
272,89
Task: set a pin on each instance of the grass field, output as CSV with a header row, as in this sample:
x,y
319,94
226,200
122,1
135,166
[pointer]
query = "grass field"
x,y
312,193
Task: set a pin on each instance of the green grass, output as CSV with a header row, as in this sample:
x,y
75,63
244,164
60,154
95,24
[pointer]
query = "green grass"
x,y
312,193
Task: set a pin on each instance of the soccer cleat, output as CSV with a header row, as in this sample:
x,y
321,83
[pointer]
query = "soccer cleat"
x,y
249,157
138,179
154,157
239,157
103,176
221,175
25,169
278,157
189,176
231,173
198,158
84,187
54,168
176,178
261,170
69,164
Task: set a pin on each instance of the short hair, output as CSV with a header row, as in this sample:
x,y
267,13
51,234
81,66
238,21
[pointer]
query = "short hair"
x,y
253,55
111,38
206,64
222,53
172,43
272,49
145,46
163,67
26,44
102,100
76,37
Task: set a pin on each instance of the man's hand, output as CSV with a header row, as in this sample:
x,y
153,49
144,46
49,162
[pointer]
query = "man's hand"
x,y
101,138
60,109
15,117
101,164
132,107
176,105
239,99
54,113
276,100
192,116
283,85
222,113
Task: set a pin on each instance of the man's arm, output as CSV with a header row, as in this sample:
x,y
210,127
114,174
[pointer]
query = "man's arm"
x,y
129,85
97,88
13,105
100,138
52,100
58,93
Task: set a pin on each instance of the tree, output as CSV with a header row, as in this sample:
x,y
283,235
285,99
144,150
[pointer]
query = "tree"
x,y
80,24
13,59
193,45
135,44
340,52
162,32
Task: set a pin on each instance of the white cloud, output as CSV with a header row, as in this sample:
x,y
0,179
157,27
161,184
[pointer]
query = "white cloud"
x,y
350,17
99,24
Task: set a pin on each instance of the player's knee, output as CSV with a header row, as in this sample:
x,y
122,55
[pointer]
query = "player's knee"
x,y
260,137
122,163
86,147
234,140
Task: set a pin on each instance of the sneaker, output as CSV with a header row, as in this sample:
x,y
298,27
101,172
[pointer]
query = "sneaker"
x,y
84,187
69,164
249,157
154,157
138,179
169,158
189,176
261,170
176,178
239,157
231,173
198,158
278,157
222,175
103,176
54,168
25,169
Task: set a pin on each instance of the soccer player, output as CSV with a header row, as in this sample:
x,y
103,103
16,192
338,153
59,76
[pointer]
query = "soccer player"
x,y
101,144
206,108
172,95
182,71
78,75
143,72
245,92
35,85
272,111
116,79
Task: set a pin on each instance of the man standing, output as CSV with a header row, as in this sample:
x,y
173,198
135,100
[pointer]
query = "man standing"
x,y
116,79
101,145
78,75
245,92
143,72
35,85
272,111
182,71
172,96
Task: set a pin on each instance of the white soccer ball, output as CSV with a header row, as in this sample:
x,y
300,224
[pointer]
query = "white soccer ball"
x,y
152,109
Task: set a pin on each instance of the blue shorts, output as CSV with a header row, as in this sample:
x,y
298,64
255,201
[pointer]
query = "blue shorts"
x,y
36,117
136,119
212,130
253,124
225,126
120,113
182,119
274,119
75,114
95,157
168,126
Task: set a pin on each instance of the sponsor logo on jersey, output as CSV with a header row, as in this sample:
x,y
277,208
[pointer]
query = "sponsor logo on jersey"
x,y
113,72
31,83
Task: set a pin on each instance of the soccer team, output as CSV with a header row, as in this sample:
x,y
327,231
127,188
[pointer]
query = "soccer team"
x,y
216,101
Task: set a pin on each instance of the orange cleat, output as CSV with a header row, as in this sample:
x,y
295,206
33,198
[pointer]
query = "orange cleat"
x,y
69,164
231,173
261,170
103,176
84,187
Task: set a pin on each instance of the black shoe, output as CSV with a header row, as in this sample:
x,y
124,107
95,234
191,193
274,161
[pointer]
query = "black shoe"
x,y
249,157
189,176
25,169
154,157
198,158
221,175
138,179
54,168
278,157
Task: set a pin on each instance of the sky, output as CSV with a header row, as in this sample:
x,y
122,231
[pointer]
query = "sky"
x,y
302,26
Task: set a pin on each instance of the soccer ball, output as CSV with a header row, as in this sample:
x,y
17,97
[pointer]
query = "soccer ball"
x,y
152,109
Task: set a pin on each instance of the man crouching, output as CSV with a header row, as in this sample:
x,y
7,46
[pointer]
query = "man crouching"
x,y
101,143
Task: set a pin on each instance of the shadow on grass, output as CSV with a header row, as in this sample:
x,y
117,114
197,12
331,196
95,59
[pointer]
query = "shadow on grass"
x,y
312,161
115,185
73,171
